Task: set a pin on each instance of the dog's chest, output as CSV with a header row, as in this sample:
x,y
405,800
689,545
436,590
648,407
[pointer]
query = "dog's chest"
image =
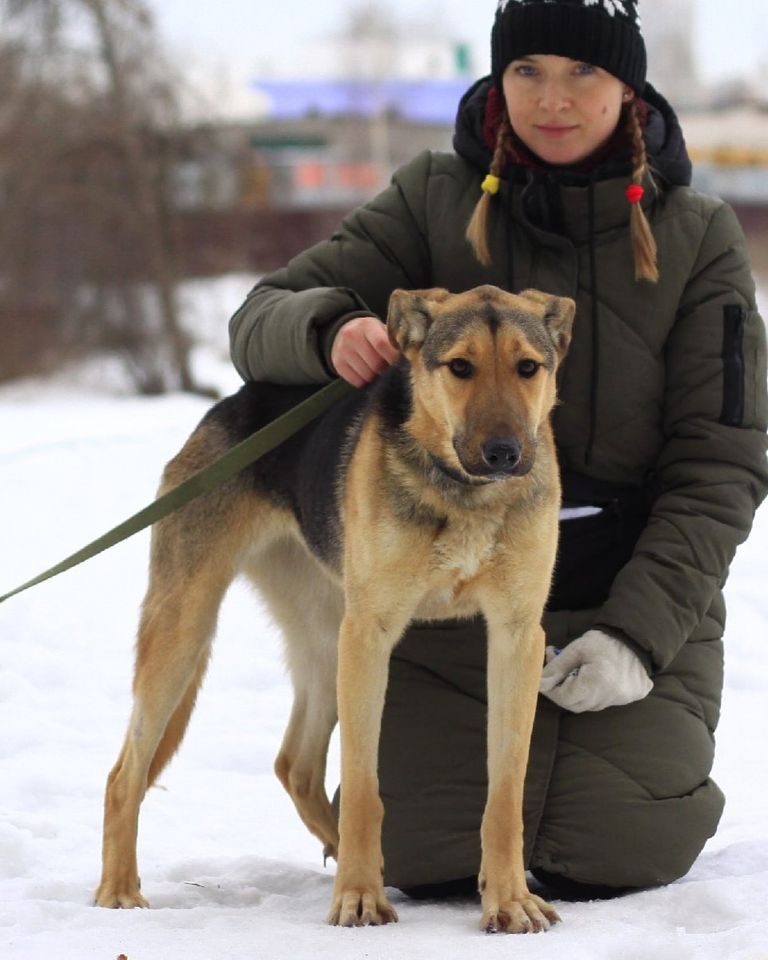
x,y
461,552
463,547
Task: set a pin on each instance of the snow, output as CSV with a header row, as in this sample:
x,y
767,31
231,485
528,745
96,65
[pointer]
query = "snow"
x,y
225,862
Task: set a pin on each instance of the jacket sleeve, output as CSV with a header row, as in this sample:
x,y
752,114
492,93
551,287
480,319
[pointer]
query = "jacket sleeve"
x,y
284,331
711,474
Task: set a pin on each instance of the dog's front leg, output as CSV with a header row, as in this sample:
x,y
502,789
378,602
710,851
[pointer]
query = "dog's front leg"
x,y
515,656
365,642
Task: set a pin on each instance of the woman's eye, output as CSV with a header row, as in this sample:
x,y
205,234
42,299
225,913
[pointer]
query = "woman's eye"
x,y
528,368
585,69
460,368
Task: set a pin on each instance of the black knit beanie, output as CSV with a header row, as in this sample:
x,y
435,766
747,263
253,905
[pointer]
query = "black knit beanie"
x,y
604,33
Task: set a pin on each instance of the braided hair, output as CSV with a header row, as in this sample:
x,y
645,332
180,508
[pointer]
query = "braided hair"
x,y
477,228
643,242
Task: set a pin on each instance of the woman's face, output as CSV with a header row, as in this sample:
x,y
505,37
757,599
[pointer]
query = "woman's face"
x,y
563,110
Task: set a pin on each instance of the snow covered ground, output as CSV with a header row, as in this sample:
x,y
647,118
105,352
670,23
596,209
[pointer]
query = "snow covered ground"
x,y
230,871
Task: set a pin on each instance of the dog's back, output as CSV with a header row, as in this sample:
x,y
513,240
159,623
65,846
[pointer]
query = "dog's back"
x,y
302,473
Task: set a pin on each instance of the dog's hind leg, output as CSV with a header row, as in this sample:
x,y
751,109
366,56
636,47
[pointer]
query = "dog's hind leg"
x,y
310,631
301,763
195,555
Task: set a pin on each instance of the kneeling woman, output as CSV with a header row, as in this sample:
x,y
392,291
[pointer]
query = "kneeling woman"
x,y
571,175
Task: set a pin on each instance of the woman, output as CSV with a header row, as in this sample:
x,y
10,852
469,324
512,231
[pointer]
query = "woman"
x,y
572,175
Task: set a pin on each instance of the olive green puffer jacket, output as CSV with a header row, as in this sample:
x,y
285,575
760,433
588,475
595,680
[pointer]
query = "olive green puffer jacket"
x,y
661,420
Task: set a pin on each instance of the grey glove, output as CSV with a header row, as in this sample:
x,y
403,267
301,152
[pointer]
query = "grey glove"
x,y
594,672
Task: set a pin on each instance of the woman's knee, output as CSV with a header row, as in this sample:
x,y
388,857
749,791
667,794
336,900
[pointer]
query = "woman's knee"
x,y
627,800
620,837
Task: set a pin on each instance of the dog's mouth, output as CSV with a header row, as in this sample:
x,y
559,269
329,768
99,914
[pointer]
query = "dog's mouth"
x,y
499,458
477,475
461,475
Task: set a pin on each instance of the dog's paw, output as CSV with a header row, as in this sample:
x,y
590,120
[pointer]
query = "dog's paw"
x,y
361,908
110,895
530,914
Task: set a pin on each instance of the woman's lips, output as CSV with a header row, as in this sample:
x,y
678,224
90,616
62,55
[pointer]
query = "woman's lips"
x,y
555,132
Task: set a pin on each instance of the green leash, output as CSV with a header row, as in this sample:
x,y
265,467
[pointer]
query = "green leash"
x,y
207,479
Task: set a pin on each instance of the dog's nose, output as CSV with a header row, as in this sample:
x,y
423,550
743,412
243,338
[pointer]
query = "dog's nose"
x,y
501,454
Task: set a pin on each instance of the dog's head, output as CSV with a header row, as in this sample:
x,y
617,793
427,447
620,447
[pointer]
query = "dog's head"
x,y
483,367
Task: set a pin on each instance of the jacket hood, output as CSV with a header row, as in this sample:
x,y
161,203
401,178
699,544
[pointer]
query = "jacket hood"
x,y
663,136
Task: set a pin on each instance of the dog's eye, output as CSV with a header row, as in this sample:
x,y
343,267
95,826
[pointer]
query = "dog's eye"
x,y
461,368
528,368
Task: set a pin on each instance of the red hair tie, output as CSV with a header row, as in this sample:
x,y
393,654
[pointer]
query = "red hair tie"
x,y
634,193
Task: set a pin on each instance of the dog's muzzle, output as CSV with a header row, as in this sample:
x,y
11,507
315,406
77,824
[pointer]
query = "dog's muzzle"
x,y
498,458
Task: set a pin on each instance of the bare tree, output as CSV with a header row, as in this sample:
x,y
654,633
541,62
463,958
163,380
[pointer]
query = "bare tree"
x,y
87,136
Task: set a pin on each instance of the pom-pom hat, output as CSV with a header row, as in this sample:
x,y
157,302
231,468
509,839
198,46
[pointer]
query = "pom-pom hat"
x,y
604,33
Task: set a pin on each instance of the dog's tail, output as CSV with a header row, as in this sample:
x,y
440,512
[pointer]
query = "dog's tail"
x,y
196,553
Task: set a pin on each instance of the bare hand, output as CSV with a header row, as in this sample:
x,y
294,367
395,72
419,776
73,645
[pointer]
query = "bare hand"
x,y
362,350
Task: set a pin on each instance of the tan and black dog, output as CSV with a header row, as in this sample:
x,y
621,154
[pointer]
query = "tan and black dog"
x,y
432,494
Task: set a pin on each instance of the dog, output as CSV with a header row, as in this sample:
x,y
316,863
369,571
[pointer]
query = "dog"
x,y
433,493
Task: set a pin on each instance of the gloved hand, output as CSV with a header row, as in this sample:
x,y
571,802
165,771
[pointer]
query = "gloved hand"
x,y
594,672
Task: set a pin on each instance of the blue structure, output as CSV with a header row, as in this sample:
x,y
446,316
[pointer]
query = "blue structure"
x,y
419,101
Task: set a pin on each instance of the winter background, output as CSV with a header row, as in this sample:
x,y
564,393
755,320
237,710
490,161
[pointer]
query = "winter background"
x,y
226,864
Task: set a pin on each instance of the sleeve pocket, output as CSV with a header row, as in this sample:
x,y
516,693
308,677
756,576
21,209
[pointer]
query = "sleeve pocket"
x,y
734,319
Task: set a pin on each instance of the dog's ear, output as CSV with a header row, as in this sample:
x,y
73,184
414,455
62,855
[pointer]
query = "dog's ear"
x,y
410,316
558,317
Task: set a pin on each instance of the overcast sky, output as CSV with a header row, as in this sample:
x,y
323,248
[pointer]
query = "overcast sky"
x,y
255,35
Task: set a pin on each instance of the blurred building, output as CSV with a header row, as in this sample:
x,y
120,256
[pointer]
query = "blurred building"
x,y
370,98
669,27
337,141
729,150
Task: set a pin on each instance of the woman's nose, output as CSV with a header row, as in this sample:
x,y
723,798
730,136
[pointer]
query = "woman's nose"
x,y
554,96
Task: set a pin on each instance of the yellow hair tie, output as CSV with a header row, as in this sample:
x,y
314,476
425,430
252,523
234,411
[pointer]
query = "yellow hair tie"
x,y
491,184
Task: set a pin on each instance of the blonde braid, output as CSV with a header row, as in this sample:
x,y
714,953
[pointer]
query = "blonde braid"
x,y
477,228
643,242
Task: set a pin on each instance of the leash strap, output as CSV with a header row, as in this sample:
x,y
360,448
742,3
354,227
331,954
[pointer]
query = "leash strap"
x,y
207,479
